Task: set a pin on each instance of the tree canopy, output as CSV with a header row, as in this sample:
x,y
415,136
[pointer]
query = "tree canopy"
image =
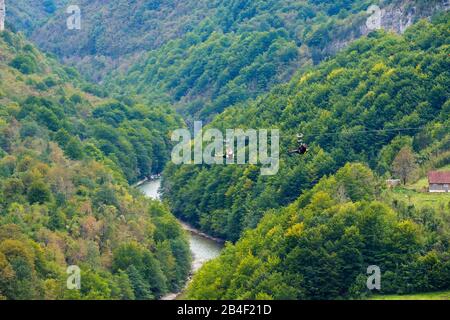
x,y
383,93
66,158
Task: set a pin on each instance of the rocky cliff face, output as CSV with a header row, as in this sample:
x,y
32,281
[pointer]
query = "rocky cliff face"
x,y
399,16
395,16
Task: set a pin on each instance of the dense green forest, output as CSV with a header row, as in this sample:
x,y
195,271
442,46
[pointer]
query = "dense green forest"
x,y
241,51
66,157
381,82
372,106
204,56
320,246
134,136
306,234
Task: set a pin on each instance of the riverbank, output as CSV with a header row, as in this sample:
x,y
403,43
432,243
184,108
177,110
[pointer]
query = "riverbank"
x,y
147,179
203,246
197,232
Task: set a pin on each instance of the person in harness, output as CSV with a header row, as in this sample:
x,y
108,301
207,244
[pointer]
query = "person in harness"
x,y
302,147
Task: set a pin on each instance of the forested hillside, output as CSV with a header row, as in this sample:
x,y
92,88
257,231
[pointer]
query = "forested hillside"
x,y
396,84
28,15
134,136
320,246
204,56
371,106
247,47
66,156
115,32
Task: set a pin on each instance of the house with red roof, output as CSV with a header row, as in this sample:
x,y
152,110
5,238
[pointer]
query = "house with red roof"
x,y
439,181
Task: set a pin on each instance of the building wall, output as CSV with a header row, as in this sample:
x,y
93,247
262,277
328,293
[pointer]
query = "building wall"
x,y
439,188
391,183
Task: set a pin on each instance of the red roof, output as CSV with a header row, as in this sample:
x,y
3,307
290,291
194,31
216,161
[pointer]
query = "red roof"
x,y
439,177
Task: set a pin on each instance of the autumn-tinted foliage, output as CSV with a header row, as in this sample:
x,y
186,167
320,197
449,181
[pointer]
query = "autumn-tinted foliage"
x,y
66,157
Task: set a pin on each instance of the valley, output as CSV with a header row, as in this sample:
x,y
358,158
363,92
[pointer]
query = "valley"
x,y
88,116
203,247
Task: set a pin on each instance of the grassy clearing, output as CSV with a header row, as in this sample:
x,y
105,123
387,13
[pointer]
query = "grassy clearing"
x,y
421,199
443,295
417,194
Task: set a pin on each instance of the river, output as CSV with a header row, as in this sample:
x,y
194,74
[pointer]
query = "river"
x,y
203,247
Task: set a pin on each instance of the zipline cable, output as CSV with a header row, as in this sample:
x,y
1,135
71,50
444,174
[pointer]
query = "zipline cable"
x,y
368,131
